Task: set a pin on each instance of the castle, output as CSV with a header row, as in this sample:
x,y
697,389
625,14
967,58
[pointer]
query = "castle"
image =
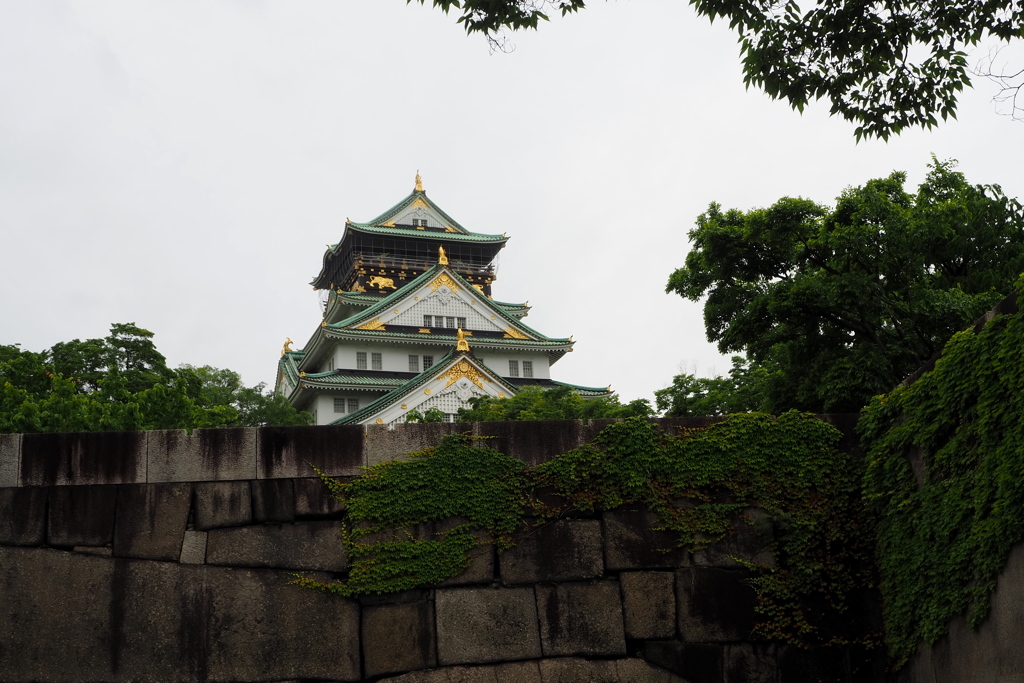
x,y
409,324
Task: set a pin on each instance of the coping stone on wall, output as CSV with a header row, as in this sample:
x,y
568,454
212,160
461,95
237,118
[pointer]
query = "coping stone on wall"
x,y
273,501
398,638
632,543
564,550
581,619
10,459
314,546
83,458
221,503
532,441
289,452
714,605
383,444
205,455
482,625
649,604
81,515
151,519
23,515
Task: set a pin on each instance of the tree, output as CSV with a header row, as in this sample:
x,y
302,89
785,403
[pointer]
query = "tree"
x,y
743,390
883,64
121,382
838,305
560,403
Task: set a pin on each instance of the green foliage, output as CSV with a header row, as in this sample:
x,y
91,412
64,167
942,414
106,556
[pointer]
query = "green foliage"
x,y
412,523
885,65
944,477
122,382
742,391
839,305
435,414
560,403
471,487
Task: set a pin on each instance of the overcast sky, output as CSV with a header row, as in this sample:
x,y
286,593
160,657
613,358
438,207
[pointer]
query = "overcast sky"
x,y
182,165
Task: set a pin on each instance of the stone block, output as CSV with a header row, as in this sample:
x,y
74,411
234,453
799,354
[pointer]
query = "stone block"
x,y
221,503
83,458
290,452
23,515
383,444
481,565
649,604
73,617
204,455
565,550
751,663
399,598
532,441
313,499
398,638
100,550
314,546
273,501
81,515
483,625
753,540
639,671
714,605
193,548
196,623
581,619
632,543
575,670
10,459
151,521
55,622
517,672
695,662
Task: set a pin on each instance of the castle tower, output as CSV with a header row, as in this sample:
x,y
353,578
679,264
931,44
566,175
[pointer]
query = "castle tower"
x,y
409,324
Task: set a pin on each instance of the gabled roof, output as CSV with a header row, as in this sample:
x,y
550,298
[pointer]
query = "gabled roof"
x,y
340,301
372,323
452,230
455,366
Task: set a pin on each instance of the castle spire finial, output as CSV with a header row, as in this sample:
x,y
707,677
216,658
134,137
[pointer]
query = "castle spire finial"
x,y
419,181
442,258
461,344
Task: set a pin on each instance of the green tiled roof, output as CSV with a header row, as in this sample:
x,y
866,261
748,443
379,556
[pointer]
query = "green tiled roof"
x,y
396,296
413,232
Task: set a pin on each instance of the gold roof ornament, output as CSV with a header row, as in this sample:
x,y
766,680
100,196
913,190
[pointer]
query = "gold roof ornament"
x,y
461,344
442,258
419,182
287,346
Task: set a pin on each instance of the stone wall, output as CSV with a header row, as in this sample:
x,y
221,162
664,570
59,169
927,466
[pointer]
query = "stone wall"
x,y
163,556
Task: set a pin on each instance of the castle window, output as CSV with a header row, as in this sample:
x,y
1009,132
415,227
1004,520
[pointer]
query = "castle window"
x,y
339,405
527,368
461,322
377,360
513,368
428,362
414,363
427,321
353,405
360,360
451,321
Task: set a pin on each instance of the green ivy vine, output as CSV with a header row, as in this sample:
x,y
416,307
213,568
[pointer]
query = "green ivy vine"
x,y
414,522
945,478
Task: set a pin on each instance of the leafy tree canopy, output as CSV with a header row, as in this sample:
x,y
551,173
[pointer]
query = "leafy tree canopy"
x,y
560,403
882,64
121,382
833,306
